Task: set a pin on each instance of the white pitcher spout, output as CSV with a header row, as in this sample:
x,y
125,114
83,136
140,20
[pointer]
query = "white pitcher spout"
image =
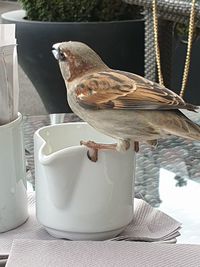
x,y
58,164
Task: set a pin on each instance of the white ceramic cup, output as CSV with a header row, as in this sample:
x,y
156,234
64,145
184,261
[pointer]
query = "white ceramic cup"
x,y
13,198
76,198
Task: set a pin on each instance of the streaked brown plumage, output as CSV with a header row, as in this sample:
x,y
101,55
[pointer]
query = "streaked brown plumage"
x,y
122,105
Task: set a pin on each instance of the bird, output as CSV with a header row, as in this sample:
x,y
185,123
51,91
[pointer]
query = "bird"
x,y
120,104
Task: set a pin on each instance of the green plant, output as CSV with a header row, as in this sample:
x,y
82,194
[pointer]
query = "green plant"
x,y
79,10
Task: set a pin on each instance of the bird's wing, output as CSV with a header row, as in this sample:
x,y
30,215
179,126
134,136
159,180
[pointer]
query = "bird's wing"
x,y
122,90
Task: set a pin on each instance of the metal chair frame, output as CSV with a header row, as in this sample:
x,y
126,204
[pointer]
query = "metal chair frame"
x,y
170,12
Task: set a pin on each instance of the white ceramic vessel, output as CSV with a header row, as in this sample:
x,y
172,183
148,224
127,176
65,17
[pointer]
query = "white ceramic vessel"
x,y
13,198
76,198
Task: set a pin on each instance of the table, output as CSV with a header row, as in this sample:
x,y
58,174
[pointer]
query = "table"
x,y
167,177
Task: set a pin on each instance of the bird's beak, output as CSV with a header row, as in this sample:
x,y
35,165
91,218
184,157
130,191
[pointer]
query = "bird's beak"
x,y
55,51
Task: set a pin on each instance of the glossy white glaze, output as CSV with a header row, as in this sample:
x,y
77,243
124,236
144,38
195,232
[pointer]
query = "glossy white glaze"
x,y
13,198
75,195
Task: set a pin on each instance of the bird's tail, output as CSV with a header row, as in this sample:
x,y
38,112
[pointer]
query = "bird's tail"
x,y
187,128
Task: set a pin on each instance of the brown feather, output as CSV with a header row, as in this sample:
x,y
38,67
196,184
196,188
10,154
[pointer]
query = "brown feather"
x,y
126,91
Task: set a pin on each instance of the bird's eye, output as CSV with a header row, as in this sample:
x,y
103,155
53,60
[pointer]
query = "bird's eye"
x,y
58,54
61,56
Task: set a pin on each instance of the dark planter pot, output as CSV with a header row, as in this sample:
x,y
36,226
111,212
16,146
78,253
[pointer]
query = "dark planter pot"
x,y
120,44
192,93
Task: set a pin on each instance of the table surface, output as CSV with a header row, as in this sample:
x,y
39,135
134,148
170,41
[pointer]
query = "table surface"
x,y
167,177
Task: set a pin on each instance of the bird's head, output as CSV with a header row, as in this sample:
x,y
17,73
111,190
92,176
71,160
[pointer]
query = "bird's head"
x,y
76,59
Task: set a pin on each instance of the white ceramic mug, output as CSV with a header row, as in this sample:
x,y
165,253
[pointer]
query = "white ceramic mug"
x,y
13,198
76,198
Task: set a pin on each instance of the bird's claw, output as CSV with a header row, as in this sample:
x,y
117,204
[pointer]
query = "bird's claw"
x,y
94,147
92,153
136,146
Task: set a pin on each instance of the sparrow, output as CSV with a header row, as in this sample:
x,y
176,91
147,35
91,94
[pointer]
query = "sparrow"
x,y
122,105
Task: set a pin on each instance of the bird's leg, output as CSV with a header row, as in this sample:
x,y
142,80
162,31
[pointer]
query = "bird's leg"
x,y
94,147
136,146
124,145
92,153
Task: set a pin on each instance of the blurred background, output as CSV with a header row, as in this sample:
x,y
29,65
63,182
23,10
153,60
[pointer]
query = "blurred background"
x,y
29,100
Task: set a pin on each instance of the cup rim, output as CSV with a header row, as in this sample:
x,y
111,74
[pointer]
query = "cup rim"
x,y
12,123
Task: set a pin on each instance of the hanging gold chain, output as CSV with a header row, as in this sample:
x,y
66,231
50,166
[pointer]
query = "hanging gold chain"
x,y
189,49
189,46
156,42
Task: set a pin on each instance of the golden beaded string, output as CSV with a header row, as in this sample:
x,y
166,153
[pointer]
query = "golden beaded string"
x,y
189,45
